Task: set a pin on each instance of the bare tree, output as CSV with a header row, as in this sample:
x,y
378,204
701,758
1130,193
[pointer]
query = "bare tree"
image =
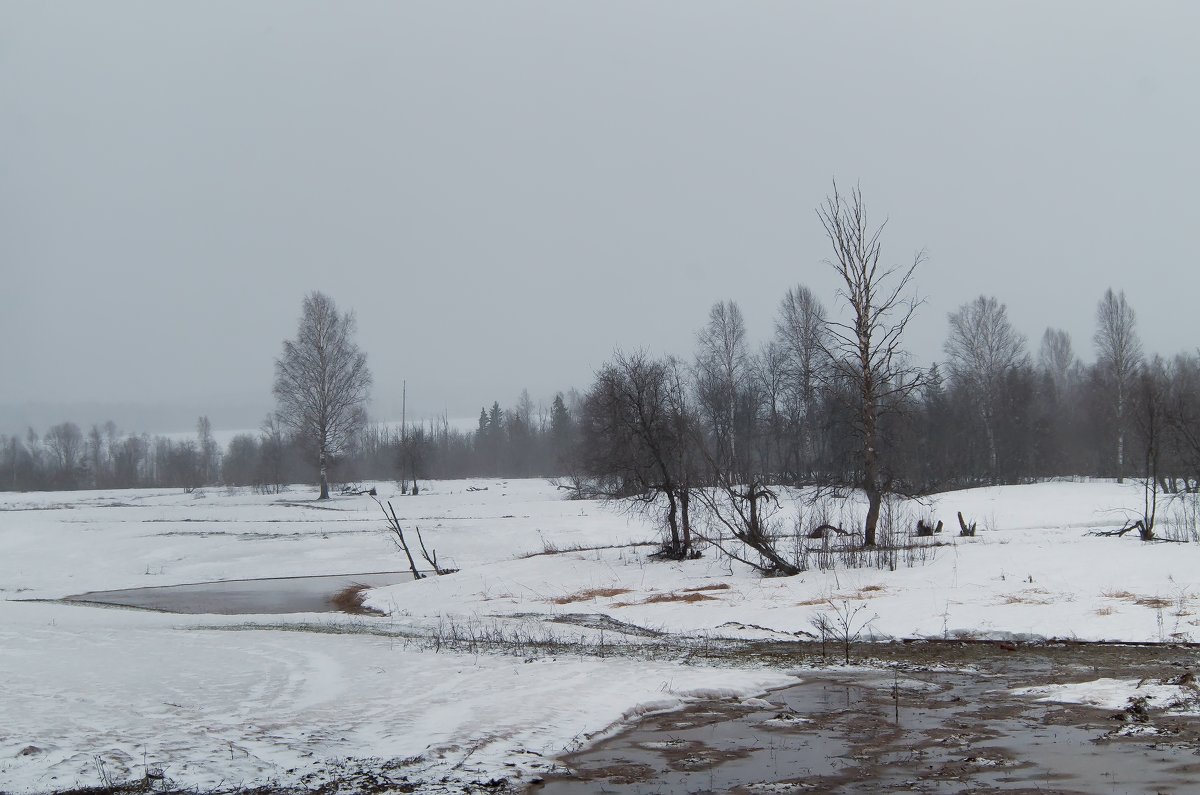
x,y
982,348
270,474
1057,358
14,454
66,447
1119,356
1183,417
800,332
322,382
634,442
770,374
722,364
96,458
210,451
865,351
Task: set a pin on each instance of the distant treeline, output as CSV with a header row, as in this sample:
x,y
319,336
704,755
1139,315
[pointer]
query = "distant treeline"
x,y
991,412
523,441
790,411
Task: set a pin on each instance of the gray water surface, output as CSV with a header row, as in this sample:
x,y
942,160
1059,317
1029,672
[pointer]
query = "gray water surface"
x,y
245,597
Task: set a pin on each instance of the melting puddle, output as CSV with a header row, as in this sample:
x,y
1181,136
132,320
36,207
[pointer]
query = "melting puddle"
x,y
244,597
942,733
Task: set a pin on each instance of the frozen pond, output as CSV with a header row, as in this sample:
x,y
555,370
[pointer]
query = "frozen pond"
x,y
244,597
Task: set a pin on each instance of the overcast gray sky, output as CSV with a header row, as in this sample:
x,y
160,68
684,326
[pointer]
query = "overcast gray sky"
x,y
503,192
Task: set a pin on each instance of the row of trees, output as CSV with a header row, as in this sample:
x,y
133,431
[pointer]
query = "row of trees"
x,y
525,440
833,400
68,458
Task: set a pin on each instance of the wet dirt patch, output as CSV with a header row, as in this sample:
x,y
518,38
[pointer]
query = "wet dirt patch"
x,y
599,621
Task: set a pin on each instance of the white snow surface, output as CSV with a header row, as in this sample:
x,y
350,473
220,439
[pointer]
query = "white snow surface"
x,y
227,700
1169,697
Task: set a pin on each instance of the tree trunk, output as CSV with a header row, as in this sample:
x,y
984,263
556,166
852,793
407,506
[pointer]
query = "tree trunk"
x,y
1120,453
991,441
870,463
685,515
324,479
1120,431
673,521
874,503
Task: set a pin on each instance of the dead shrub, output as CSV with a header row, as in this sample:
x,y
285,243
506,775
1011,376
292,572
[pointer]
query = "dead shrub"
x,y
350,600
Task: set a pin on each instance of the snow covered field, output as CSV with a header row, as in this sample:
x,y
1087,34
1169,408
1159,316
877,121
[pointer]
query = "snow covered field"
x,y
90,693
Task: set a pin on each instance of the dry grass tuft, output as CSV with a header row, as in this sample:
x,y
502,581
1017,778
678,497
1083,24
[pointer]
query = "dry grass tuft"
x,y
812,602
677,597
1031,596
589,595
692,597
720,586
1154,602
350,600
1108,610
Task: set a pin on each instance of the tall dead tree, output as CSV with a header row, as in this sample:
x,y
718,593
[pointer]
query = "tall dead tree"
x,y
865,350
1119,356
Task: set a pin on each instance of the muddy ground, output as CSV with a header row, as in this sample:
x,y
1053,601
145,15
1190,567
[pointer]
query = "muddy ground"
x,y
932,717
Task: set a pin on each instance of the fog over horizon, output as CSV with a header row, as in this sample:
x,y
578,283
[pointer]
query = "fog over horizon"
x,y
504,193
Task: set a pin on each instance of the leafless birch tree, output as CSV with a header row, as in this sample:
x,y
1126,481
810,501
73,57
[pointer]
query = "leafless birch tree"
x,y
981,348
322,381
800,332
1119,355
722,364
1057,357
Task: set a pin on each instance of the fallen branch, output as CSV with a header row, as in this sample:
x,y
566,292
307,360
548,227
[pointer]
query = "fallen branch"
x,y
823,530
1145,533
